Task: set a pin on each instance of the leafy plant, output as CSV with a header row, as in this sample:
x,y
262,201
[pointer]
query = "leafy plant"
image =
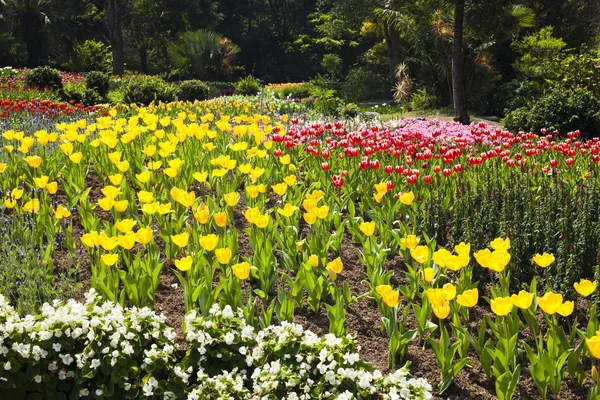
x,y
44,77
248,86
143,89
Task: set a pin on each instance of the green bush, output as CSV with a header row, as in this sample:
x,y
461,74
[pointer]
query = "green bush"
x,y
349,110
326,102
98,81
560,109
423,100
363,84
144,89
79,93
193,90
249,86
301,91
92,55
44,77
332,65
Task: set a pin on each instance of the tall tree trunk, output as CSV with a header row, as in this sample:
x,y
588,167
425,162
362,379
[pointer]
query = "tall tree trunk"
x,y
114,15
144,58
392,39
32,24
458,65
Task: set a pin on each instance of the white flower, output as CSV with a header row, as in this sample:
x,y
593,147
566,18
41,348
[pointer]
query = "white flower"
x,y
7,366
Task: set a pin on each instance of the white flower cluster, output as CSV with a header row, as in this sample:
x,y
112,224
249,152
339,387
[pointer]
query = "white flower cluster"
x,y
93,348
284,362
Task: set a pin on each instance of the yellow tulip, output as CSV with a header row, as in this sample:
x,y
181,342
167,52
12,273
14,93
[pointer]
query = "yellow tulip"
x,y
41,182
143,176
52,187
428,274
231,199
285,160
241,270
145,197
107,243
252,214
90,239
287,211
594,345
468,298
456,263
202,214
32,206
441,256
110,259
410,242
502,305
420,254
106,203
223,255
181,240
76,157
61,212
523,299
209,242
449,291
585,287
127,241
441,309
381,188
123,166
383,289
121,205
543,260
116,179
16,194
321,212
252,191
220,219
165,209
290,180
111,192
407,198
566,308
280,188
550,302
144,235
462,248
313,260
367,228
500,244
391,298
125,225
33,161
262,221
200,176
310,217
336,265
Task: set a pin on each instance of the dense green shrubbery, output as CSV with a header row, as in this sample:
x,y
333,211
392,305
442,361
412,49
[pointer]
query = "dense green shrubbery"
x,y
193,90
92,55
362,84
80,93
44,77
144,89
98,81
423,100
302,91
249,86
560,109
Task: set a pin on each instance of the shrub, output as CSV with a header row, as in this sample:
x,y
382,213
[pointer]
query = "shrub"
x,y
301,91
92,55
44,77
560,109
79,93
363,84
98,81
349,110
144,89
193,90
248,86
423,99
326,102
332,65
